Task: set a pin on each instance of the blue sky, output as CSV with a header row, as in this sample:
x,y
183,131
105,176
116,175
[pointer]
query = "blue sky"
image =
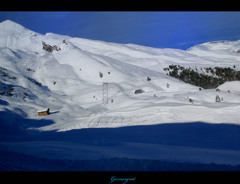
x,y
161,29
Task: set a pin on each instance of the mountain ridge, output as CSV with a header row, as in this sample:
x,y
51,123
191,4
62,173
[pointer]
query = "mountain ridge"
x,y
14,27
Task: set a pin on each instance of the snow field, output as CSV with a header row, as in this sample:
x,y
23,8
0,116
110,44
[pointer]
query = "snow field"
x,y
71,81
161,123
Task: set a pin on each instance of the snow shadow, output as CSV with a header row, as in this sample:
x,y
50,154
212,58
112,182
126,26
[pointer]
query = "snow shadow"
x,y
195,134
197,141
201,140
14,124
3,102
55,112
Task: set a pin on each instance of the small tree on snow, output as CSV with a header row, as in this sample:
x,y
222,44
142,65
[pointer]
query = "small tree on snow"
x,y
191,100
218,99
100,74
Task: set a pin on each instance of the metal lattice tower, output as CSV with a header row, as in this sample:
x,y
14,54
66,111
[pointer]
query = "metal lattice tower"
x,y
105,93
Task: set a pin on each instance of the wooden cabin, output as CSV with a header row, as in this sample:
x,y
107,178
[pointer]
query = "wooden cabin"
x,y
43,112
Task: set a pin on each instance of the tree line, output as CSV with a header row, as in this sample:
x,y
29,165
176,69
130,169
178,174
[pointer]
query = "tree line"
x,y
207,78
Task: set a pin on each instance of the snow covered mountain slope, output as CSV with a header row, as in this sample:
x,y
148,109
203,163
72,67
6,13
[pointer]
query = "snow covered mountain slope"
x,y
69,80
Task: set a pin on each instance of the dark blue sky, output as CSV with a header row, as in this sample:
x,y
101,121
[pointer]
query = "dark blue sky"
x,y
173,29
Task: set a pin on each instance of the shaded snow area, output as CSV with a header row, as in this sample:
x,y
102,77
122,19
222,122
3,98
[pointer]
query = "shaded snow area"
x,y
165,120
